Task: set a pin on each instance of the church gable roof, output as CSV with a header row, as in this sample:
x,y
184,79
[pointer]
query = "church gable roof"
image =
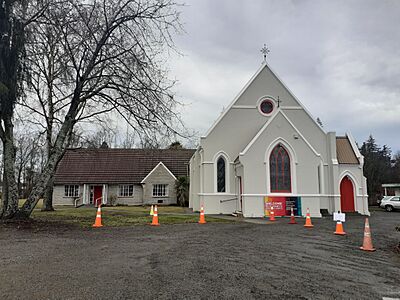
x,y
234,101
344,151
243,94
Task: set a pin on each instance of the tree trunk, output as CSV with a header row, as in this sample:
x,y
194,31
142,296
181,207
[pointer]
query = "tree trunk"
x,y
48,197
11,45
40,186
10,200
51,165
19,181
4,194
48,194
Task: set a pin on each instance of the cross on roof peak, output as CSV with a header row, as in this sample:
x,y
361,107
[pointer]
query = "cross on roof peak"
x,y
264,50
279,102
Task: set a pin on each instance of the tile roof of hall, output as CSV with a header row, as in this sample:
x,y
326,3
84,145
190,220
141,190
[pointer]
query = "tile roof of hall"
x,y
115,166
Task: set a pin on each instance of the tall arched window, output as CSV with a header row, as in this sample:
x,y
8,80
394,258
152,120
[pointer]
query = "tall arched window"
x,y
221,175
279,167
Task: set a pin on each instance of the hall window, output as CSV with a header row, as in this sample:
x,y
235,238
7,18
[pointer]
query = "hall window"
x,y
160,190
221,175
125,190
71,190
279,166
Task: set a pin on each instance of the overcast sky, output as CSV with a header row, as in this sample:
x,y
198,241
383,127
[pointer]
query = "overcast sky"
x,y
340,58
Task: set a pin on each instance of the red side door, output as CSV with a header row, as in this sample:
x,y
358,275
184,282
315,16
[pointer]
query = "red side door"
x,y
347,195
97,193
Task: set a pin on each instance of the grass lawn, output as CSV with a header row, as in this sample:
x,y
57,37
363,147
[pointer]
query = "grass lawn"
x,y
118,216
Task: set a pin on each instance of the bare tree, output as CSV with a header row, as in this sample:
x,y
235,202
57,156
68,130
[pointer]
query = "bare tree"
x,y
45,87
26,150
98,137
114,49
15,17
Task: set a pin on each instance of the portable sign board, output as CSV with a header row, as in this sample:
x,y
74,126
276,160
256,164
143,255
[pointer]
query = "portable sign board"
x,y
339,217
282,205
277,202
294,202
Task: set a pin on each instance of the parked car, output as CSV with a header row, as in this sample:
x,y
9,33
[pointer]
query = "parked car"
x,y
379,200
390,203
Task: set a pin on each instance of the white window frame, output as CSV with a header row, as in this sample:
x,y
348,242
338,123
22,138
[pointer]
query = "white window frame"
x,y
71,190
293,164
124,192
227,170
225,173
166,189
265,98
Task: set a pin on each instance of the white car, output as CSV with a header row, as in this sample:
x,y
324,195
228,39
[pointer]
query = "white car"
x,y
390,203
378,201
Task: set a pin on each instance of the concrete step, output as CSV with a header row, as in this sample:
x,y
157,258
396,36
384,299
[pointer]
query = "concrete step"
x,y
238,213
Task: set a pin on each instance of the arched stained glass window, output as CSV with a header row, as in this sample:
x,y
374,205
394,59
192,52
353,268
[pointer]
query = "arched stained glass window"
x,y
279,167
221,175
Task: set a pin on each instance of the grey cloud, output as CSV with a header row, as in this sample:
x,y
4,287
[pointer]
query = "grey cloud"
x,y
340,58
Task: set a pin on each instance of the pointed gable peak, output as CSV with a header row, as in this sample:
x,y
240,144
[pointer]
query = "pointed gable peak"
x,y
262,67
265,67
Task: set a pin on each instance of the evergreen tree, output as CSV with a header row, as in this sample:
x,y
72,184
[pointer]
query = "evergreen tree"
x,y
182,191
396,168
175,145
377,167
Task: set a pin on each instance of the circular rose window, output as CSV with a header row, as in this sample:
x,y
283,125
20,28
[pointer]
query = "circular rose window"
x,y
266,107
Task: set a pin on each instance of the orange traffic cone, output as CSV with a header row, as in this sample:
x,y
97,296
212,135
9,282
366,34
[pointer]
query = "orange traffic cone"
x,y
292,219
155,217
308,219
367,243
339,228
202,219
97,222
271,214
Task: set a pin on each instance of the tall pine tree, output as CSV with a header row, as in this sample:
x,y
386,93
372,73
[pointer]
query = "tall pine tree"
x,y
377,167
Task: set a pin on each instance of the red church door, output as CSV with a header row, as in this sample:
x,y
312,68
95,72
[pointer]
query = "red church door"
x,y
347,195
97,194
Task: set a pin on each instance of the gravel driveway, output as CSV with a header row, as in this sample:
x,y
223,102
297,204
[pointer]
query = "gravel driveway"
x,y
213,261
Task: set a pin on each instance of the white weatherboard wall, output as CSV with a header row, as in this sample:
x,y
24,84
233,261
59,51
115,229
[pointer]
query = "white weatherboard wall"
x,y
245,138
136,199
159,175
59,195
112,192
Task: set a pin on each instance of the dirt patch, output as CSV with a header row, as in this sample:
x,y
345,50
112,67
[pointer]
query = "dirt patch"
x,y
212,261
36,225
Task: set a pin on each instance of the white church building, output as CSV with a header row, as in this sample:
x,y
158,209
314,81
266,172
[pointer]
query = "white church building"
x,y
267,150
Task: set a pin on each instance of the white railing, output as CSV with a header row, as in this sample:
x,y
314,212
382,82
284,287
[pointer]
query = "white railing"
x,y
79,201
76,201
227,200
95,201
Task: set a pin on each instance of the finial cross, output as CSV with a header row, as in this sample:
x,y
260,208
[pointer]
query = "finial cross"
x,y
264,50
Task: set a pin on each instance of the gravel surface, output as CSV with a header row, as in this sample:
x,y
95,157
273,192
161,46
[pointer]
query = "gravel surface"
x,y
190,261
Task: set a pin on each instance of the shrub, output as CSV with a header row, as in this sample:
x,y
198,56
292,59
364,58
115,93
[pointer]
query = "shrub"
x,y
182,191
